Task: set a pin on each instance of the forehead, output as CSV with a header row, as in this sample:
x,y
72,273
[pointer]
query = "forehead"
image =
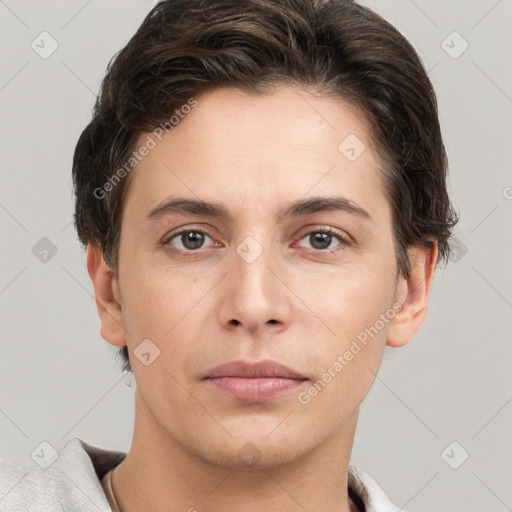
x,y
259,151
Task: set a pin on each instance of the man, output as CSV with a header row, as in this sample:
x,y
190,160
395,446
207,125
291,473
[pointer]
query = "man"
x,y
262,195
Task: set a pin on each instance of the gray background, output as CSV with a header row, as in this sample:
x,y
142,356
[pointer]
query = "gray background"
x,y
59,379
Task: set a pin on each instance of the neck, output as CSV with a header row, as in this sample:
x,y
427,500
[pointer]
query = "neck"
x,y
161,474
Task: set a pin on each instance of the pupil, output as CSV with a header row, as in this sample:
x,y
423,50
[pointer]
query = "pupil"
x,y
192,240
323,238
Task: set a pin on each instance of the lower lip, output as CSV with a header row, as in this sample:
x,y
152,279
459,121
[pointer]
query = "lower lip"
x,y
254,389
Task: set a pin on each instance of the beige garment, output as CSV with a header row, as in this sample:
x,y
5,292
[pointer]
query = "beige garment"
x,y
79,480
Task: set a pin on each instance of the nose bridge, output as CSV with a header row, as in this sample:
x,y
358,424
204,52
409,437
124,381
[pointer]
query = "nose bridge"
x,y
251,265
251,262
256,297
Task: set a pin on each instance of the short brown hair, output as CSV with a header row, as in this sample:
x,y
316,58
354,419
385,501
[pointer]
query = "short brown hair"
x,y
337,47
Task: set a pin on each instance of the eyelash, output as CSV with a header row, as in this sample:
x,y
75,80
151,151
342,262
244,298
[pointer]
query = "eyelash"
x,y
343,239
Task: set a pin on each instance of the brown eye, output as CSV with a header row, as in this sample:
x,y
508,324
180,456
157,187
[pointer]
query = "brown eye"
x,y
322,240
188,240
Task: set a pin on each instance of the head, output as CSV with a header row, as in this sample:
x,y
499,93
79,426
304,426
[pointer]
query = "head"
x,y
255,105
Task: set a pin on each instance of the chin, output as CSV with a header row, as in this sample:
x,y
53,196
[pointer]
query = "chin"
x,y
253,450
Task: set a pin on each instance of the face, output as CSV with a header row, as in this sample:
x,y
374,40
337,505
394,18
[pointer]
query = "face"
x,y
311,287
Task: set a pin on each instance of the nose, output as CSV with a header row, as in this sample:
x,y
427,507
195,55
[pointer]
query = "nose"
x,y
255,294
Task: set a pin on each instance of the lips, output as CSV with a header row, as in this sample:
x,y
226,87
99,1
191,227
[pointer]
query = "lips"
x,y
259,369
254,381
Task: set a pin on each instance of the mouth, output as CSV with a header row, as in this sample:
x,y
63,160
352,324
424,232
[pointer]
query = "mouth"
x,y
254,381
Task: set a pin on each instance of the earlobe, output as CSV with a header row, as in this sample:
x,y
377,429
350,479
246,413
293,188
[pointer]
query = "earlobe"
x,y
108,300
413,293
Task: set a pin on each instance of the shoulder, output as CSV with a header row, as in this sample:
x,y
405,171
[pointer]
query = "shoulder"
x,y
368,492
69,482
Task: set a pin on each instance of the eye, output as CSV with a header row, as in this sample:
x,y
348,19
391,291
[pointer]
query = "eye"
x,y
190,240
321,239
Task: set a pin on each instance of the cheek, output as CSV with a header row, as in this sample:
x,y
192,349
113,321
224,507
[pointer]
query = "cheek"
x,y
346,362
355,298
153,309
167,308
156,309
357,306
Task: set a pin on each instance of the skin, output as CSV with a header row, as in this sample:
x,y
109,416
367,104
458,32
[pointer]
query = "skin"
x,y
255,155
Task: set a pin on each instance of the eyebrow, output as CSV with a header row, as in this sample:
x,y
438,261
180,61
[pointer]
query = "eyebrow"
x,y
294,209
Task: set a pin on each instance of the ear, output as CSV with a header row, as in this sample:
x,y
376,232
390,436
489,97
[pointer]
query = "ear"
x,y
108,298
413,293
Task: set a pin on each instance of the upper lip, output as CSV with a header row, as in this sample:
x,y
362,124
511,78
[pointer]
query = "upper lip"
x,y
265,368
